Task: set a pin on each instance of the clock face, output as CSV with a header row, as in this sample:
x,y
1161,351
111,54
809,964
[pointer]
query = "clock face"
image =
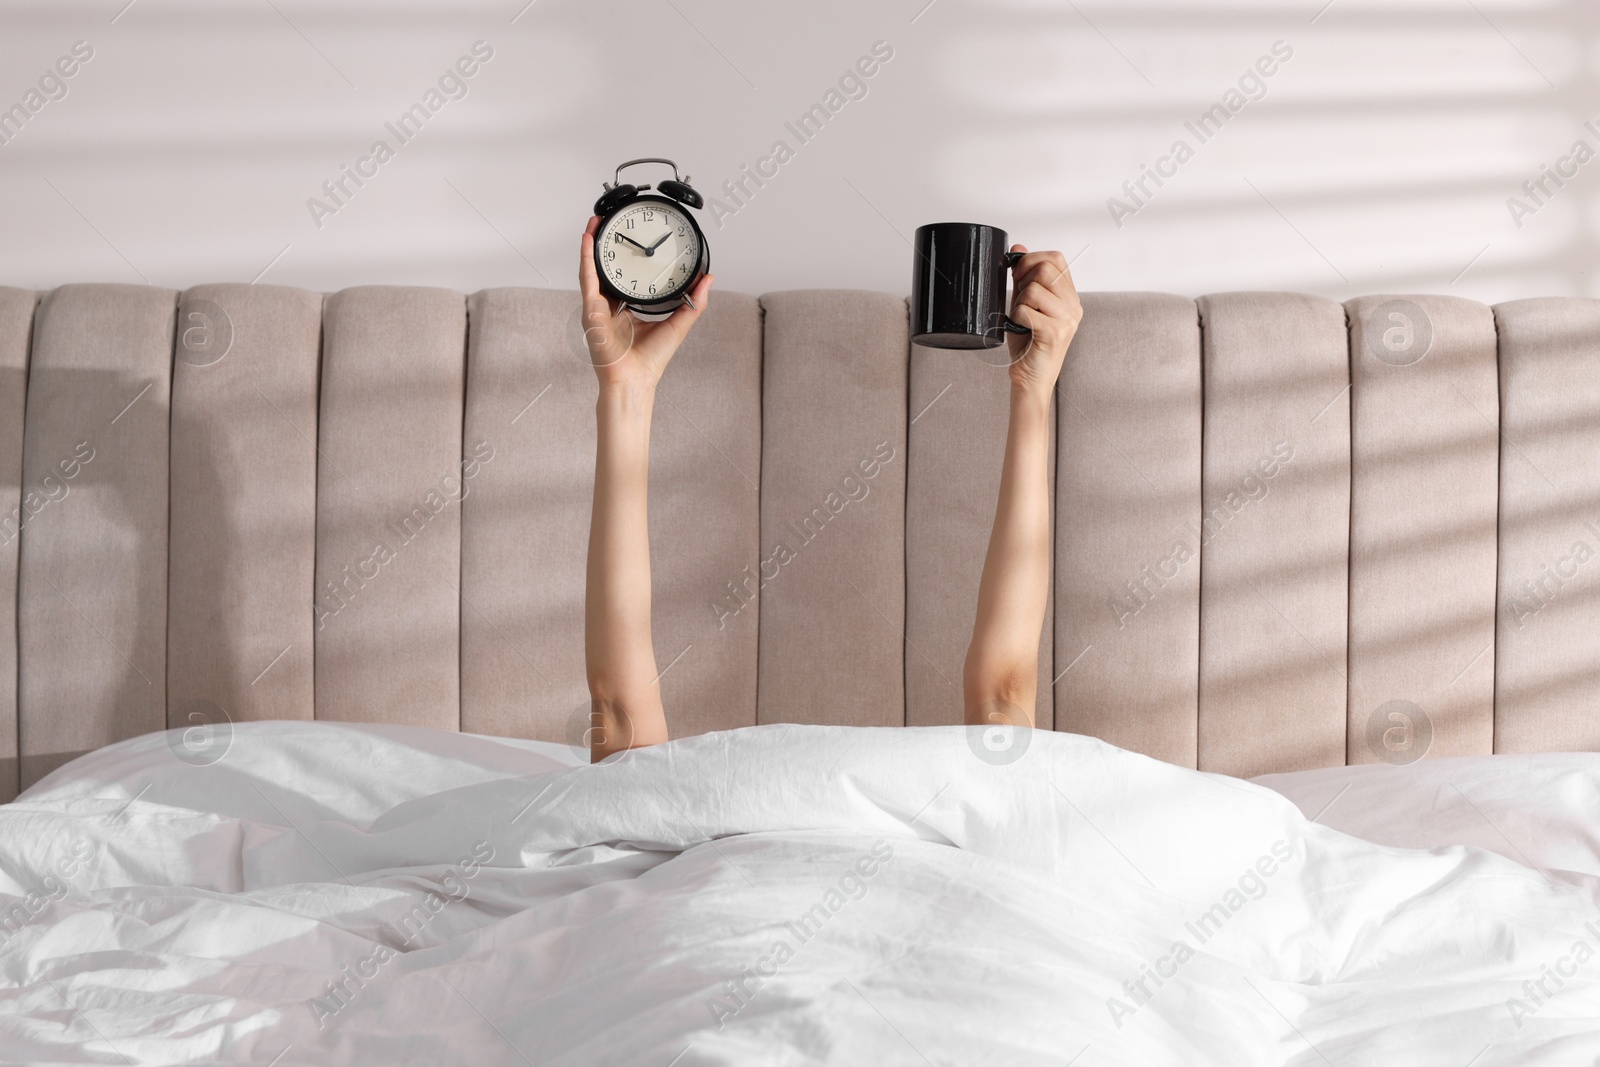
x,y
649,251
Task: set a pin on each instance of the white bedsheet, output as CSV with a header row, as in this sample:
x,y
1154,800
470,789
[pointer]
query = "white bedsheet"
x,y
779,895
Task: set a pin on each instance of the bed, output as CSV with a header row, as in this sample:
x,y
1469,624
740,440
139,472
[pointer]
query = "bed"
x,y
336,894
1313,782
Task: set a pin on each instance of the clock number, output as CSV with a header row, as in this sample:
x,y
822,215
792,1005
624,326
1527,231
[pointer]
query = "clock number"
x,y
610,255
682,230
617,273
649,215
652,290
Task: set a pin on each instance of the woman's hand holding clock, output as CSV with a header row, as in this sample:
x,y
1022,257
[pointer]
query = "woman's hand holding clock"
x,y
624,349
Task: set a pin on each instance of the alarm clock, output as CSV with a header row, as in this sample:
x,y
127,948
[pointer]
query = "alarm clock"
x,y
648,251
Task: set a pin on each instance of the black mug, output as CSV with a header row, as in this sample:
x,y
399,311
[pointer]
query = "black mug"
x,y
958,286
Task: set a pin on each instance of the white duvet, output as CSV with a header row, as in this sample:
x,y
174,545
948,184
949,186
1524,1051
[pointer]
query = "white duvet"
x,y
331,894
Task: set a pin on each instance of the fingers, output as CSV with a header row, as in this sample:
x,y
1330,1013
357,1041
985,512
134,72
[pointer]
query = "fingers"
x,y
1022,346
1047,325
1023,315
1051,270
1052,318
686,316
1041,298
1046,302
1048,267
1044,281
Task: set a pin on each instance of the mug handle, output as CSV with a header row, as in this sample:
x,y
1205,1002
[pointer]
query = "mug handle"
x,y
1006,321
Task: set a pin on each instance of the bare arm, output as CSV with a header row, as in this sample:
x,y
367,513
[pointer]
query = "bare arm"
x,y
1000,680
626,706
629,357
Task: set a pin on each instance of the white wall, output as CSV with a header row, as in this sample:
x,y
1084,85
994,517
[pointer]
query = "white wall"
x,y
1380,158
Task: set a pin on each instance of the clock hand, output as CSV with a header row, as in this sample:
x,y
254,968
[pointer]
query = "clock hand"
x,y
632,242
651,250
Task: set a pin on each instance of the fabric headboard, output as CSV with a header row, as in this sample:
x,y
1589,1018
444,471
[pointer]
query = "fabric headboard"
x,y
1289,532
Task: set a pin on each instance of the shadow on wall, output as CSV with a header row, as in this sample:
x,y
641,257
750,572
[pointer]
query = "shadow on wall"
x,y
1380,158
1387,165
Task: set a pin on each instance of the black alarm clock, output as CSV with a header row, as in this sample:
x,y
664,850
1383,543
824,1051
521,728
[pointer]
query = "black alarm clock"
x,y
649,252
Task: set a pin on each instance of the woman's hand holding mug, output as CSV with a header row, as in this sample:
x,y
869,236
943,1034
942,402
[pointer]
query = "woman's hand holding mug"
x,y
1046,302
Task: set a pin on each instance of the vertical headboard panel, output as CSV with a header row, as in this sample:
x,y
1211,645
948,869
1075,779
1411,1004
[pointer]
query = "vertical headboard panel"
x,y
16,331
244,504
525,520
93,574
1424,495
1547,679
957,434
833,457
705,520
1275,538
389,482
1127,585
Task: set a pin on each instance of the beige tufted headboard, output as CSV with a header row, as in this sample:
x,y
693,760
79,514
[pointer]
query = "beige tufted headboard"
x,y
1289,533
